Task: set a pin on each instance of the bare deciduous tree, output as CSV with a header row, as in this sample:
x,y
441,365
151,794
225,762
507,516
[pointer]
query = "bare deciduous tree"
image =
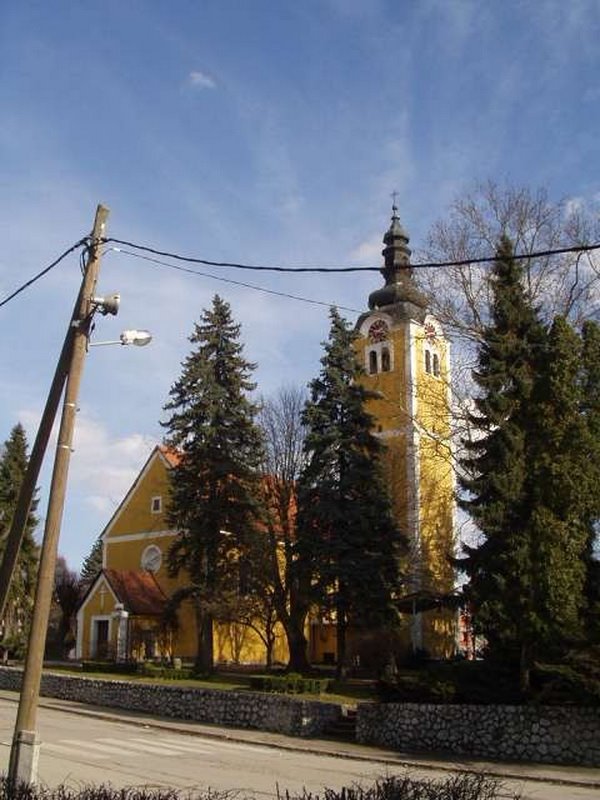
x,y
280,420
567,284
66,599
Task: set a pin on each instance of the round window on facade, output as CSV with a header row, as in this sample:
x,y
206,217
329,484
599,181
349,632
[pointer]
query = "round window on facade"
x,y
151,558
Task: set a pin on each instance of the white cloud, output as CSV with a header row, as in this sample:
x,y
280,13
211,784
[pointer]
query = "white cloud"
x,y
202,80
574,205
103,505
102,466
369,250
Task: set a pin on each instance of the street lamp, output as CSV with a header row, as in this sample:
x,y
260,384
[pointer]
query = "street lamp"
x,y
135,337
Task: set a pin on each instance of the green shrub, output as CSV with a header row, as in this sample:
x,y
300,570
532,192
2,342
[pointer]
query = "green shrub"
x,y
565,684
482,682
292,683
16,645
144,668
471,682
125,668
165,673
574,681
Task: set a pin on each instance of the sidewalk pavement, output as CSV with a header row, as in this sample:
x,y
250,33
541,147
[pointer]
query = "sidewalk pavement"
x,y
587,777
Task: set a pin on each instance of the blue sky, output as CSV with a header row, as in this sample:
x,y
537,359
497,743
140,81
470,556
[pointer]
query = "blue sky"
x,y
256,131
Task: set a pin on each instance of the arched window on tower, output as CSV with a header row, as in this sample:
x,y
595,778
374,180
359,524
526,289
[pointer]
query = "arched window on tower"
x,y
436,365
372,362
427,362
385,360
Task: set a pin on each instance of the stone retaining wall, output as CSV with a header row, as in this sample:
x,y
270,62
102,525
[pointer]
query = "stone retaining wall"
x,y
546,734
275,713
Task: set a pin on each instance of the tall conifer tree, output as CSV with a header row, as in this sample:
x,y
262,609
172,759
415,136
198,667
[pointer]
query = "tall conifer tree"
x,y
346,530
13,464
92,564
501,570
591,413
214,487
533,478
561,485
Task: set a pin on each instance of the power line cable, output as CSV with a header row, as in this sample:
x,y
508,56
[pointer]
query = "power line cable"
x,y
43,272
229,280
255,267
425,265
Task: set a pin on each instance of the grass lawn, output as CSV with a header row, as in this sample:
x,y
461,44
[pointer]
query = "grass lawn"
x,y
347,692
577,682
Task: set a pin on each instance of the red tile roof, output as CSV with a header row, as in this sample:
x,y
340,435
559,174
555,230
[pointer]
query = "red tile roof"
x,y
138,591
172,456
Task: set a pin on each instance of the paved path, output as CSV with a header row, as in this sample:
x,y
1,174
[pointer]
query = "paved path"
x,y
89,743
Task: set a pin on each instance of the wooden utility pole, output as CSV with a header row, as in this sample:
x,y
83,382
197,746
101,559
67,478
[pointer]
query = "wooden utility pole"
x,y
34,463
25,746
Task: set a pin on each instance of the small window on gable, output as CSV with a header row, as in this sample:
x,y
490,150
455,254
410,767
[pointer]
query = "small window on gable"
x,y
427,362
385,360
372,362
436,365
156,505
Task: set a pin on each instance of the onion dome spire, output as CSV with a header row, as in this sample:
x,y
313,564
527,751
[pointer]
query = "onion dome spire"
x,y
400,287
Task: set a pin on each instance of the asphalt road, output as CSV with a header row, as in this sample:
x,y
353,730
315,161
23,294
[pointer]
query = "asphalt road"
x,y
85,748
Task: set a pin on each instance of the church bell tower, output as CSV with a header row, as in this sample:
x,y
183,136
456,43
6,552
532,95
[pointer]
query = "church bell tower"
x,y
407,366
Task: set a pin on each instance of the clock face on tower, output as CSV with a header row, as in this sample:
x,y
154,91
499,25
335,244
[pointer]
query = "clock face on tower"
x,y
378,331
430,331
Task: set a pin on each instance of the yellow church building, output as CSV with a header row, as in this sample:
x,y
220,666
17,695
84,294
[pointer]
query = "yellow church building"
x,y
407,366
122,615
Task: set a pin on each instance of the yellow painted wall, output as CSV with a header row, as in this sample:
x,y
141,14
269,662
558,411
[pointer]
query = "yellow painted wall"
x,y
135,515
134,528
136,518
421,482
436,480
100,604
240,644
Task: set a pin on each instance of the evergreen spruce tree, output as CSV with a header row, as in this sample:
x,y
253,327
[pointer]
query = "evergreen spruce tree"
x,y
92,565
591,414
501,570
215,486
347,536
561,486
13,464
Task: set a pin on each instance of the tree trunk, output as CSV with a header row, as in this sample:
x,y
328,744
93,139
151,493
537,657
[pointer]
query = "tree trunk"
x,y
525,669
270,639
293,621
297,644
204,655
340,668
269,656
